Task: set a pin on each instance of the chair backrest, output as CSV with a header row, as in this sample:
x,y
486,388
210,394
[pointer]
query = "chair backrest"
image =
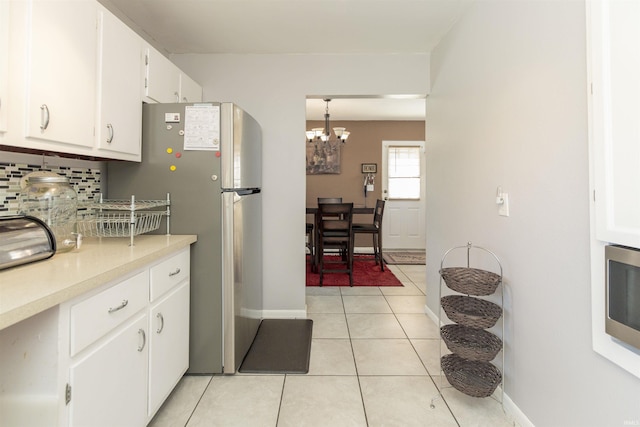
x,y
329,200
377,213
335,217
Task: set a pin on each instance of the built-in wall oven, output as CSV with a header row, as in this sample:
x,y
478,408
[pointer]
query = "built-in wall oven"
x,y
622,267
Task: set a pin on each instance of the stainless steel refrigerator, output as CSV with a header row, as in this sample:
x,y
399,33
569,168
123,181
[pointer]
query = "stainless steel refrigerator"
x,y
208,156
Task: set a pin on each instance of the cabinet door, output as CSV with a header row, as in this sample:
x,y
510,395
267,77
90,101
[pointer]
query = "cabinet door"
x,y
169,346
4,64
120,102
62,71
615,108
190,91
162,83
108,386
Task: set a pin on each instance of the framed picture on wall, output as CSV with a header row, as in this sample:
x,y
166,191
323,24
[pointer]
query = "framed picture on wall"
x,y
323,157
369,168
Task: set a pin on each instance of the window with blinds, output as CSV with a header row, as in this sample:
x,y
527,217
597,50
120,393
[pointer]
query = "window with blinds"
x,y
403,173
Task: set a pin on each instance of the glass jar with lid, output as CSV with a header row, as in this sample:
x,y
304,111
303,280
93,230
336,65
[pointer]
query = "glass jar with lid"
x,y
51,198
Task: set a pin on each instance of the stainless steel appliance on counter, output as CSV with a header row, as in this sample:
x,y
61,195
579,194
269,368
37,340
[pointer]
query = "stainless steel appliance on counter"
x,y
24,239
209,157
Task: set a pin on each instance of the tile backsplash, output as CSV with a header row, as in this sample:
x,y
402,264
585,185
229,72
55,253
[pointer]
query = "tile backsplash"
x,y
85,180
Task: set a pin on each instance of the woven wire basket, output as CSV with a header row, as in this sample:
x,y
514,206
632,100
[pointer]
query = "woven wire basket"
x,y
118,224
470,311
470,281
471,343
473,378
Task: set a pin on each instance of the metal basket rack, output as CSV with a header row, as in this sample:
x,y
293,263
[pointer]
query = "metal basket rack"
x,y
468,368
123,218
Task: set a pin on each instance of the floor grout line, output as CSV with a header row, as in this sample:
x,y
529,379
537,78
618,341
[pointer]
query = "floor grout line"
x,y
406,331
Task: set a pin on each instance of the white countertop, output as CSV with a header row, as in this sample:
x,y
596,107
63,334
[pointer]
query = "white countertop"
x,y
30,289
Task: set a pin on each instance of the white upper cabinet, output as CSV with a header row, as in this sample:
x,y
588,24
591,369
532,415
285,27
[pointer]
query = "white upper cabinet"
x,y
162,80
119,89
4,65
166,83
77,76
61,70
614,48
190,91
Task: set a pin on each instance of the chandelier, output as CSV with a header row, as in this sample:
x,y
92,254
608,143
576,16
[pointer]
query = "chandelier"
x,y
324,134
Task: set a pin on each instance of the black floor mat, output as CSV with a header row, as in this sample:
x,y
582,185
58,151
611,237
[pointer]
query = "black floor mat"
x,y
280,346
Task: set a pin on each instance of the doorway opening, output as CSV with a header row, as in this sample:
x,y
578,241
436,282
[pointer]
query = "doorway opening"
x,y
370,121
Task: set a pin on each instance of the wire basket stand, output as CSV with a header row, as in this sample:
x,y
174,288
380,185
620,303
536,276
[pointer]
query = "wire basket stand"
x,y
468,368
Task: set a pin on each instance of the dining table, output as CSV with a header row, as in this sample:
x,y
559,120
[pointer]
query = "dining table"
x,y
356,210
313,210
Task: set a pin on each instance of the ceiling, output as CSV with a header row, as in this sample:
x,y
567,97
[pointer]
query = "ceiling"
x,y
370,108
300,27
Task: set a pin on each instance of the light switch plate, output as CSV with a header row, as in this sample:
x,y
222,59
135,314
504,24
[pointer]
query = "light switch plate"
x,y
503,210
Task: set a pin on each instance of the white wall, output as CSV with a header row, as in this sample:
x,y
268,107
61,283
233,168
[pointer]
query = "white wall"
x,y
508,107
272,88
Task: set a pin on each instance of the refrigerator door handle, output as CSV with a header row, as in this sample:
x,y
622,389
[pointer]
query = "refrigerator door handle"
x,y
247,191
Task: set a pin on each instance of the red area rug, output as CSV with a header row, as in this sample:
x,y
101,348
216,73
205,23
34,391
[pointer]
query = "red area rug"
x,y
365,273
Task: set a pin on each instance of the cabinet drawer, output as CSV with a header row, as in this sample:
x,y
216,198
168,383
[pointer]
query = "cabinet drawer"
x,y
95,316
169,273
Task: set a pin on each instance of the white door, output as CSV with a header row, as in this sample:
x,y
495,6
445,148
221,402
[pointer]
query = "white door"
x,y
403,189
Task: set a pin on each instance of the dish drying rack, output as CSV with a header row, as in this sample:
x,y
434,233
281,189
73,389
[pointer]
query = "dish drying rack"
x,y
123,218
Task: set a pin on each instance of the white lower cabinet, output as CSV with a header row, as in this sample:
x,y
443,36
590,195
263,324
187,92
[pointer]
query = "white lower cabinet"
x,y
121,357
169,344
108,385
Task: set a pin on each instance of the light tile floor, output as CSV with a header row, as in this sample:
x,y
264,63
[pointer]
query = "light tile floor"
x,y
374,362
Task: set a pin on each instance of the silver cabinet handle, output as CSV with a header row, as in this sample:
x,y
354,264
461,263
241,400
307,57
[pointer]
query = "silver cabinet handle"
x,y
44,117
177,96
175,272
161,327
122,305
144,339
110,129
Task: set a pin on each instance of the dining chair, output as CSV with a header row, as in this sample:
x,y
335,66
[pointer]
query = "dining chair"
x,y
321,200
334,231
329,200
375,229
311,245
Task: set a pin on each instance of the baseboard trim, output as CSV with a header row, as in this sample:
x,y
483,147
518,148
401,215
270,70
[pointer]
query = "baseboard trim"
x,y
430,314
284,314
512,410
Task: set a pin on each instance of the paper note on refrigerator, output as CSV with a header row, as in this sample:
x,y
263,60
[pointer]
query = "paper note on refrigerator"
x,y
202,127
